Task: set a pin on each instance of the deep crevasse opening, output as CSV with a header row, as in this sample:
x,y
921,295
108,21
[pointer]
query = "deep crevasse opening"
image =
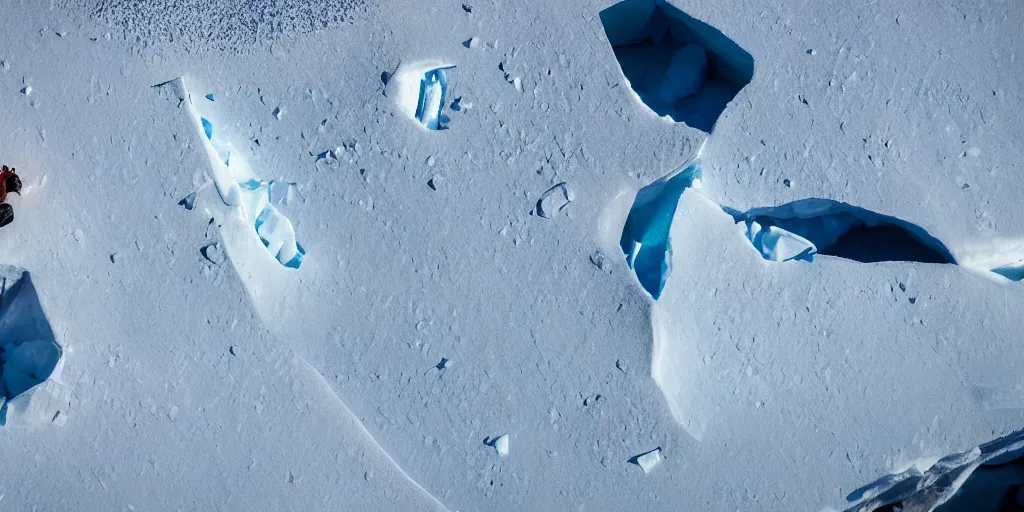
x,y
645,236
801,229
678,66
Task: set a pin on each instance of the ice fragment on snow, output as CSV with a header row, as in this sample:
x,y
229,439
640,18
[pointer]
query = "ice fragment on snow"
x,y
214,253
650,460
189,201
210,97
501,445
686,73
278,112
554,200
777,244
27,90
1013,271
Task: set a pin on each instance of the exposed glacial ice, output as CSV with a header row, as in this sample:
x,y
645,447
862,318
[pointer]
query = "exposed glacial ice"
x,y
420,90
29,353
802,228
260,201
645,237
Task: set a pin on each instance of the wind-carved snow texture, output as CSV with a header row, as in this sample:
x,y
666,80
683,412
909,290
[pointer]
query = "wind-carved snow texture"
x,y
218,24
987,478
420,90
29,353
678,66
645,237
801,229
261,202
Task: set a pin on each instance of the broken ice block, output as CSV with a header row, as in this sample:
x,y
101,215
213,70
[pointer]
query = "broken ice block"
x,y
274,229
650,460
777,244
501,445
1013,272
645,240
685,75
433,89
238,185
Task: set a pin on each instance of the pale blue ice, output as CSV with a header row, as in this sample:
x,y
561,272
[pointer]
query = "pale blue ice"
x,y
264,202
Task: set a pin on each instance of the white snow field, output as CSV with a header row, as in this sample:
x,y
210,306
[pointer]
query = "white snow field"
x,y
507,255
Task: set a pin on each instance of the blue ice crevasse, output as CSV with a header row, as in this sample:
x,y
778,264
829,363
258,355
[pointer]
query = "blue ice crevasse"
x,y
803,228
239,186
433,90
645,237
261,202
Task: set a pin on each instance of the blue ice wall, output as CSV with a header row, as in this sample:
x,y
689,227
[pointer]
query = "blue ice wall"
x,y
645,237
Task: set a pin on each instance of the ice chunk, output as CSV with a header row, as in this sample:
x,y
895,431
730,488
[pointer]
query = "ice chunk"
x,y
649,460
433,89
685,75
645,240
214,253
278,235
777,244
501,445
1013,271
189,201
554,200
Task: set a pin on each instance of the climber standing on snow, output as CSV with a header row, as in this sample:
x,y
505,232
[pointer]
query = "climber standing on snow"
x,y
9,182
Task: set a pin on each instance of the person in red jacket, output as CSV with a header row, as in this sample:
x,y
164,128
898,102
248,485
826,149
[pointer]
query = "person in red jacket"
x,y
9,182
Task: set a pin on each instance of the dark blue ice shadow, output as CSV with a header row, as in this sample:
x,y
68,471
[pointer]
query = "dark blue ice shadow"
x,y
646,34
29,351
